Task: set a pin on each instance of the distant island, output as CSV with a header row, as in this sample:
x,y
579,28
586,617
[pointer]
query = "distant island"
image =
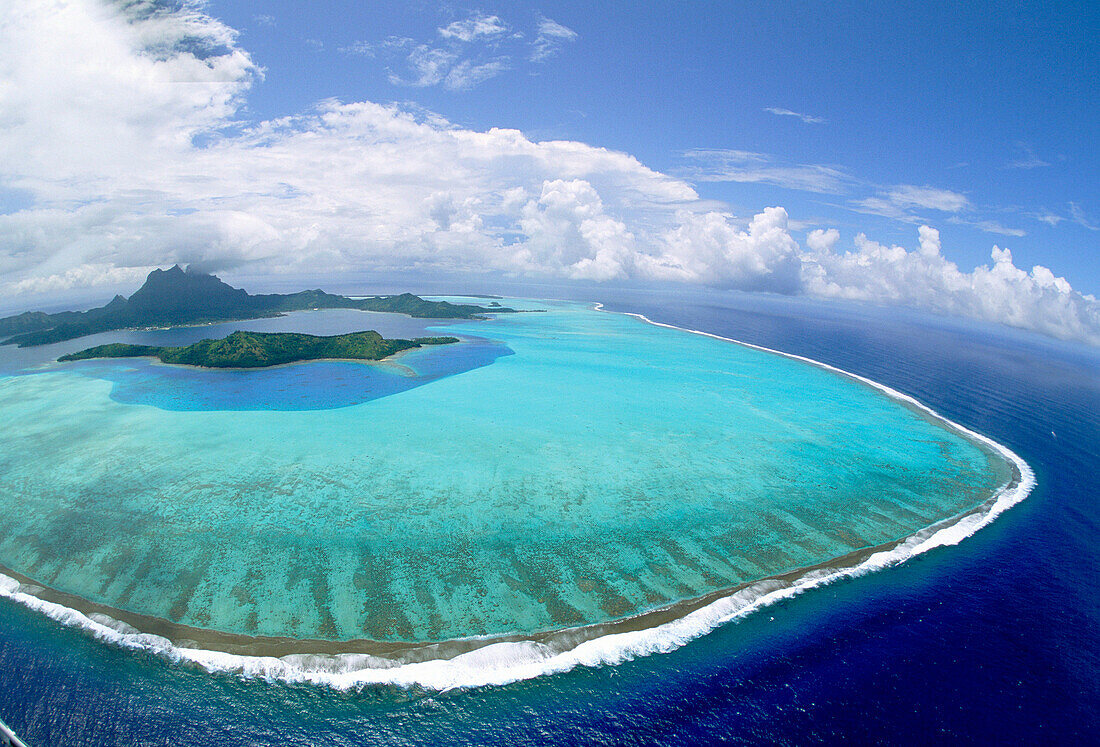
x,y
176,297
263,349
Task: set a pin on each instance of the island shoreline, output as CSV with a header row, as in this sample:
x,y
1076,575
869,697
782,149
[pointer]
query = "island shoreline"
x,y
389,360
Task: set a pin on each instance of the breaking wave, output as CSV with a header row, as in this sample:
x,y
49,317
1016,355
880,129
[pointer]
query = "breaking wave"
x,y
501,662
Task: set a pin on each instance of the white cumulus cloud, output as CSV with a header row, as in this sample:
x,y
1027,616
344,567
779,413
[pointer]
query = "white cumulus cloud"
x,y
924,278
707,248
570,233
475,26
118,123
822,239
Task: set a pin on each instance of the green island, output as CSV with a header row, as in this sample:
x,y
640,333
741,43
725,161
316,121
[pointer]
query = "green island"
x,y
176,297
262,349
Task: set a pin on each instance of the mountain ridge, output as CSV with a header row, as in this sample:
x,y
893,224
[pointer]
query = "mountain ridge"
x,y
177,297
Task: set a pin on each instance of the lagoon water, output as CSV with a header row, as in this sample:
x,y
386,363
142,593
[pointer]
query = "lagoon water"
x,y
555,469
992,640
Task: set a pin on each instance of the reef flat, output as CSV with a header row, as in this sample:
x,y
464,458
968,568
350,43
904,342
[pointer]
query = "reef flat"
x,y
609,476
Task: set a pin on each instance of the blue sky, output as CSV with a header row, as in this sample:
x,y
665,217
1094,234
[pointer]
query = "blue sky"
x,y
998,103
938,156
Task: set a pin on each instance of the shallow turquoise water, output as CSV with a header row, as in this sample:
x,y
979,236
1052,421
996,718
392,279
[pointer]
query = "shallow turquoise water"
x,y
607,467
318,385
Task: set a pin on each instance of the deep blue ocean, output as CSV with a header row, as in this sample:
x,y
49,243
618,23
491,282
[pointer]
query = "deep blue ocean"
x,y
996,640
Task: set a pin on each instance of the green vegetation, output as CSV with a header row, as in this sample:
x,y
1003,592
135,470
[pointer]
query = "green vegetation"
x,y
262,349
177,297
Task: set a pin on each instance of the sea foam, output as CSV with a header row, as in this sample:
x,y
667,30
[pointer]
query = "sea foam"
x,y
504,662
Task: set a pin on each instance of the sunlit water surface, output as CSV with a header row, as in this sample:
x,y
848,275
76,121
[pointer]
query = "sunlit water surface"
x,y
988,639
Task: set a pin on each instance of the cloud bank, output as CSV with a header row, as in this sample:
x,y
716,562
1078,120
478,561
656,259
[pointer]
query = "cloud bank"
x,y
924,278
120,149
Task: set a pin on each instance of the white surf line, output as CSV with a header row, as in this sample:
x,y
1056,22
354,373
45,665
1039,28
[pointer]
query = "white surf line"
x,y
506,662
1023,467
1026,473
7,736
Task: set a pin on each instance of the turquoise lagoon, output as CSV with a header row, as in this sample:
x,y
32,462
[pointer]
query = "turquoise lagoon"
x,y
554,470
